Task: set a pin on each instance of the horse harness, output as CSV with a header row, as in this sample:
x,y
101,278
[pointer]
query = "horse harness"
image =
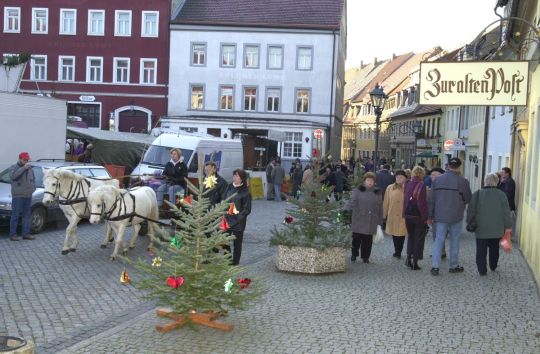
x,y
76,189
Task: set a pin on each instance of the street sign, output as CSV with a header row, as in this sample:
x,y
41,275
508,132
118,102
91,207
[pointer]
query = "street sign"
x,y
448,145
318,133
454,145
276,135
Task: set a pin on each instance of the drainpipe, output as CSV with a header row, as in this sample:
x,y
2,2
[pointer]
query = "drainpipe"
x,y
484,152
333,83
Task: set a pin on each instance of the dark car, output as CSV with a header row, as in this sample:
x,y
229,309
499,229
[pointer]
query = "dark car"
x,y
42,214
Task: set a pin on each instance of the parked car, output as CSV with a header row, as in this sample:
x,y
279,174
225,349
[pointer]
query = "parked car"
x,y
42,214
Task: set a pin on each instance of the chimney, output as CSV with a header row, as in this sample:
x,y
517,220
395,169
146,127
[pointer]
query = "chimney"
x,y
361,64
393,56
375,61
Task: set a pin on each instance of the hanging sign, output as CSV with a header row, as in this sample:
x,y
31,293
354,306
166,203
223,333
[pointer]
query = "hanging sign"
x,y
318,133
466,83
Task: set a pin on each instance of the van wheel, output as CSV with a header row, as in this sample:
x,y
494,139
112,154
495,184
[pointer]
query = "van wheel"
x,y
37,220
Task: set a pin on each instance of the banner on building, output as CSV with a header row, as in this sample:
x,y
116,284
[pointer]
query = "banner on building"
x,y
468,83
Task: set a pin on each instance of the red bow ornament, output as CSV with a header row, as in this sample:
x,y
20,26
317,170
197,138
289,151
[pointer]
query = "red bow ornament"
x,y
175,282
244,282
224,226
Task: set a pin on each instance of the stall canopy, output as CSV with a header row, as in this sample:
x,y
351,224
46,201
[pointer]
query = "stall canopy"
x,y
114,148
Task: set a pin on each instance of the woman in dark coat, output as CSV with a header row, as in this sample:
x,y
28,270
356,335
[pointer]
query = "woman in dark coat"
x,y
175,173
490,210
242,208
415,195
367,212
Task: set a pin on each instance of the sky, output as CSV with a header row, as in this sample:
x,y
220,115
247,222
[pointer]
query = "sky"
x,y
403,26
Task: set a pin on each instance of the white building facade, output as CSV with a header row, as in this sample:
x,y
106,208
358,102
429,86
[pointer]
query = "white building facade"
x,y
272,87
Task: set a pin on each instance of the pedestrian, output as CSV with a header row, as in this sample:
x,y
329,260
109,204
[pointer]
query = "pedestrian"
x,y
86,156
240,197
490,210
450,193
277,176
367,213
296,178
435,172
508,186
393,212
339,179
269,181
307,176
415,211
23,184
384,178
175,173
216,194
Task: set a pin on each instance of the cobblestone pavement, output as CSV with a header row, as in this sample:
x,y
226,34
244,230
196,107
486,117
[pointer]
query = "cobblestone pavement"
x,y
75,304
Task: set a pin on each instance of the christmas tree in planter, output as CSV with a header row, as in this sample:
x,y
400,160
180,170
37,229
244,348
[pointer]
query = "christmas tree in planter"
x,y
314,238
190,275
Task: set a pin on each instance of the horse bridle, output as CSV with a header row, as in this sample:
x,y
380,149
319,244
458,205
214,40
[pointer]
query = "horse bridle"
x,y
74,190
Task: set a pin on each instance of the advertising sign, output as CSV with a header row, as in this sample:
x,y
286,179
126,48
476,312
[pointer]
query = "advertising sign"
x,y
467,83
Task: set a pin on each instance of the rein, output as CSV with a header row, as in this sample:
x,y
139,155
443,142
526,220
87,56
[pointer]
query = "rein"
x,y
74,194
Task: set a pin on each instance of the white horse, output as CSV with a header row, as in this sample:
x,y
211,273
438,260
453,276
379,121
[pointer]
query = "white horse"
x,y
72,191
123,208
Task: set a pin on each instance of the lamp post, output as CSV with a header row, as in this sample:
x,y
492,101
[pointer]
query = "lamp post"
x,y
378,99
417,129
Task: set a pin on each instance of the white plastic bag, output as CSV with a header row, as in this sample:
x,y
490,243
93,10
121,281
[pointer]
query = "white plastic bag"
x,y
379,236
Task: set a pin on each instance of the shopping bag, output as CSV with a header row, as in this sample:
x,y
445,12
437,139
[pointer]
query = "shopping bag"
x,y
505,242
379,235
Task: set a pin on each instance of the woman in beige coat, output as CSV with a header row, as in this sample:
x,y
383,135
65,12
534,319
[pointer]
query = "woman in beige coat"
x,y
393,212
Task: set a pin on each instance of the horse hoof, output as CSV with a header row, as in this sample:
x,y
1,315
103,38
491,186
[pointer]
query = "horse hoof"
x,y
103,246
72,250
124,253
64,252
131,247
112,258
111,239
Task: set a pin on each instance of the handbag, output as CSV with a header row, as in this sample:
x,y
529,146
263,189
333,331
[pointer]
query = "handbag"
x,y
379,235
505,242
412,211
471,224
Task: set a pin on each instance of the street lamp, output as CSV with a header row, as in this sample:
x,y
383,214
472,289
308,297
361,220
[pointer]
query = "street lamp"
x,y
378,99
417,129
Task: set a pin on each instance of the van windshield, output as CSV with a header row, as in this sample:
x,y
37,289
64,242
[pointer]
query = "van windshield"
x,y
160,155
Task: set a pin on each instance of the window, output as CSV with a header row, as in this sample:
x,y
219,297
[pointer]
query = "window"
x,y
94,69
250,99
190,130
121,70
150,24
304,58
38,67
198,54
292,147
40,19
89,112
68,21
197,97
148,71
275,57
12,19
251,56
96,22
226,98
122,23
273,96
66,68
302,101
228,55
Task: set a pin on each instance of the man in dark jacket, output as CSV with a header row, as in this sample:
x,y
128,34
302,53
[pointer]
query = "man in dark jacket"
x,y
269,181
384,179
296,178
237,219
175,174
23,184
449,195
217,192
508,186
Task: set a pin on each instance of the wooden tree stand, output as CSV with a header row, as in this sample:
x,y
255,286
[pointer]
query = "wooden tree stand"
x,y
203,319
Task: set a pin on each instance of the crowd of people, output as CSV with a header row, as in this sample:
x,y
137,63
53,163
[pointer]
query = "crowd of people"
x,y
78,150
409,203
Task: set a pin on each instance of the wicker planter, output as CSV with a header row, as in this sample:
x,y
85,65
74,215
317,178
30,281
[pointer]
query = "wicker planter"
x,y
311,260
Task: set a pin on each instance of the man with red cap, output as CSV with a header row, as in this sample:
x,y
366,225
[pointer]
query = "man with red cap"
x,y
22,186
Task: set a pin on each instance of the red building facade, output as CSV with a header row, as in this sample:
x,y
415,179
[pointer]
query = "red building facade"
x,y
108,58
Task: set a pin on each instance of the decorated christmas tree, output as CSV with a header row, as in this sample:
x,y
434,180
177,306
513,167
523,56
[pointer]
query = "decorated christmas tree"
x,y
190,273
314,219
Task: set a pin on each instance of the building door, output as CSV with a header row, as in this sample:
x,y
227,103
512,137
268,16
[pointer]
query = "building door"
x,y
133,121
89,112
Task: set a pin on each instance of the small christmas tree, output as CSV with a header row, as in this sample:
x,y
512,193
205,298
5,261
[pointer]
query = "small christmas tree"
x,y
315,220
190,274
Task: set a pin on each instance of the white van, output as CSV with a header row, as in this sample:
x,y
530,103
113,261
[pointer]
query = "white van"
x,y
226,153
